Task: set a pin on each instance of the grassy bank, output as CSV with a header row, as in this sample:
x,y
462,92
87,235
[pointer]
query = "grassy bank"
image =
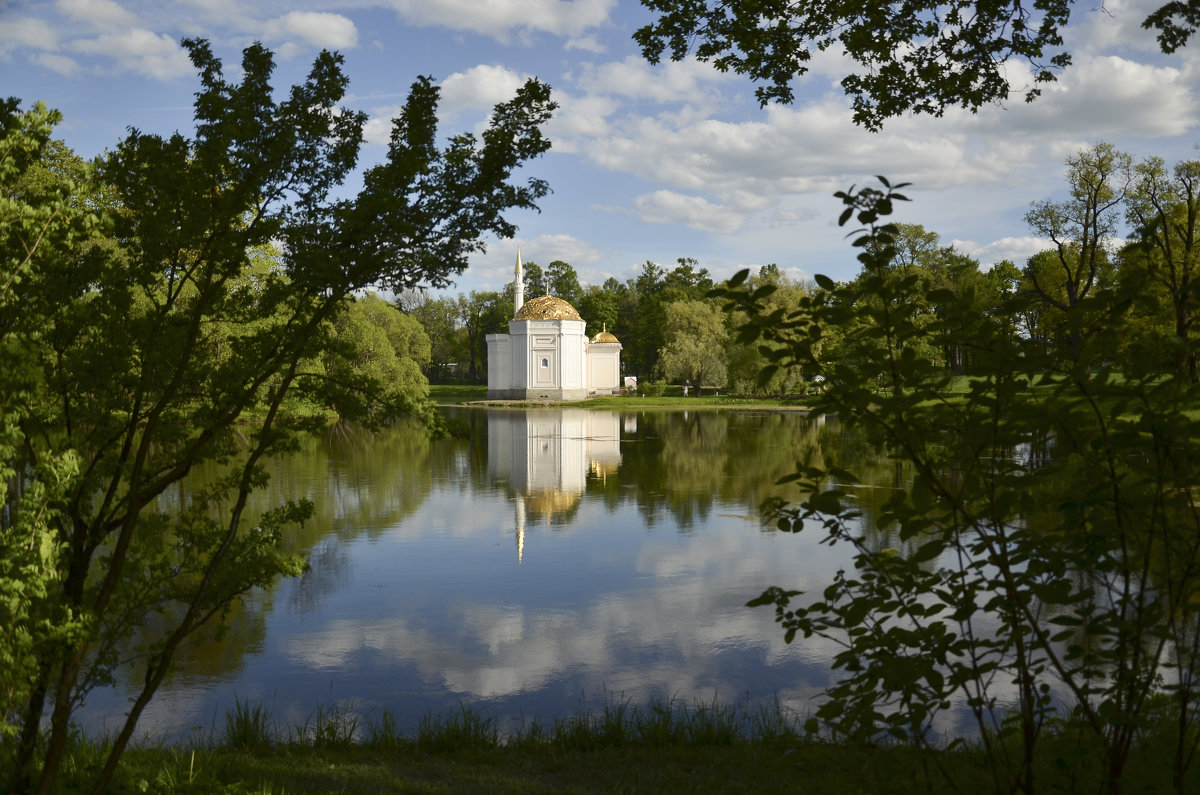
x,y
662,748
673,399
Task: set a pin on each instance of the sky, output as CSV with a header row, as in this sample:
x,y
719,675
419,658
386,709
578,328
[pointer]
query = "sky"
x,y
648,162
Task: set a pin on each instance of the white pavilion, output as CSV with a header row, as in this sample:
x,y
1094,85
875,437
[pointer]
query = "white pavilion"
x,y
546,353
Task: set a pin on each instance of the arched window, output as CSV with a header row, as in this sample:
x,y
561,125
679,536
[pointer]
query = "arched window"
x,y
545,362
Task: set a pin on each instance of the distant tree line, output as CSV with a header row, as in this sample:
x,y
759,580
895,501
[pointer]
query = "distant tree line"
x,y
673,329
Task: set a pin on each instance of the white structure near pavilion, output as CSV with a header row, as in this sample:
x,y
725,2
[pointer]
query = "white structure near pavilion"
x,y
546,353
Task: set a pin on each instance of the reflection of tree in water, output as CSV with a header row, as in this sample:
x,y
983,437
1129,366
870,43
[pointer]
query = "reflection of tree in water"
x,y
213,652
764,447
687,465
327,569
695,461
360,483
462,463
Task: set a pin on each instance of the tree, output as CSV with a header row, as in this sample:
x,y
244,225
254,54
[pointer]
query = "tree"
x,y
482,313
439,319
1042,318
748,359
564,282
646,319
958,292
42,223
685,283
1165,207
1046,503
1081,228
921,56
147,357
375,339
694,339
599,307
535,280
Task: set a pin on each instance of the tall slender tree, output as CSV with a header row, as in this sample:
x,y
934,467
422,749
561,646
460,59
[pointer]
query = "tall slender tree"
x,y
147,354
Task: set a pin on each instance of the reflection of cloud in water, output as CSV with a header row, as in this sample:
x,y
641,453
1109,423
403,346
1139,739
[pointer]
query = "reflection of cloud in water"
x,y
671,637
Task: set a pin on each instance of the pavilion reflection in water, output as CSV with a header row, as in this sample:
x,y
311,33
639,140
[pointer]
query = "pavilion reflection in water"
x,y
546,456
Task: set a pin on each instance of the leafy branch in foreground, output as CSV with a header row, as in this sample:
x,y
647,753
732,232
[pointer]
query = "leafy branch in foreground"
x,y
171,341
910,56
1051,572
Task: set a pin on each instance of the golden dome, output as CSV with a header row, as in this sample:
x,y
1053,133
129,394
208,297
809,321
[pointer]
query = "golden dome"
x,y
547,307
605,336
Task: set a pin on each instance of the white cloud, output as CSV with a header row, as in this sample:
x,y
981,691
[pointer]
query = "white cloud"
x,y
494,268
797,274
26,32
56,63
1106,97
501,18
674,81
783,218
329,31
140,51
1111,25
1015,249
378,129
587,43
579,118
548,248
814,149
695,212
479,88
98,14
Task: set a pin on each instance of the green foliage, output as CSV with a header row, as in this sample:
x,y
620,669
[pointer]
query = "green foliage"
x,y
465,730
748,359
694,337
599,309
910,57
1165,207
439,319
335,726
480,314
374,340
179,340
1083,226
41,223
249,726
564,282
1048,576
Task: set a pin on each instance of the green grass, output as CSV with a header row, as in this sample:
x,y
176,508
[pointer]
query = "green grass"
x,y
457,393
709,401
673,399
664,746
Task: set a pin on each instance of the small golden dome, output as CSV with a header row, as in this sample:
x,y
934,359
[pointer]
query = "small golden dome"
x,y
547,307
605,336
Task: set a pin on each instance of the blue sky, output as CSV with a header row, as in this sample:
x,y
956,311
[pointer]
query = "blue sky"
x,y
648,163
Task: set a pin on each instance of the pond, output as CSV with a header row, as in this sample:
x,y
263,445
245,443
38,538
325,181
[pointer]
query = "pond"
x,y
556,559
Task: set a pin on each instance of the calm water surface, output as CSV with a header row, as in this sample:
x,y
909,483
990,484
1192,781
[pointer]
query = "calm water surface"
x,y
557,558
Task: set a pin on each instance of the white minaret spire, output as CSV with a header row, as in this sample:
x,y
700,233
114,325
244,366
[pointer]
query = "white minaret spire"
x,y
519,286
